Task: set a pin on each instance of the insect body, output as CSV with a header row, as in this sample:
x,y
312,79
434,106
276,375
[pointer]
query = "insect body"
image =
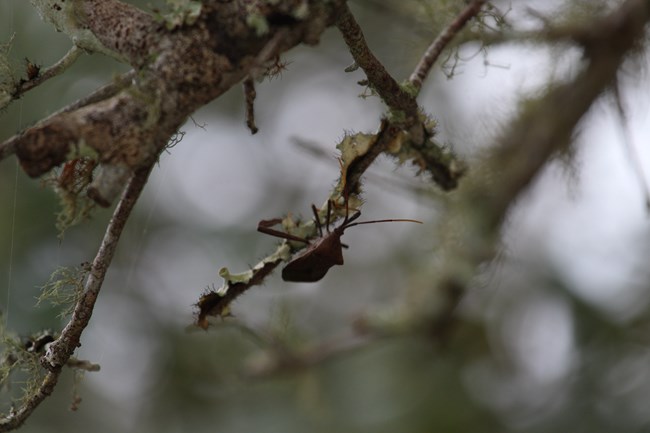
x,y
322,253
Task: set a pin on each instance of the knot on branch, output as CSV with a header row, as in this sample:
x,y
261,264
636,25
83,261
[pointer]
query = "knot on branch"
x,y
46,146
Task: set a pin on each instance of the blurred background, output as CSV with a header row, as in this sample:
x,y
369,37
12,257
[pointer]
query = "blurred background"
x,y
554,336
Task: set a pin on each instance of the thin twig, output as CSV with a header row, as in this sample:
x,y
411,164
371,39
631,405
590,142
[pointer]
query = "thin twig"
x,y
435,49
56,69
60,351
380,80
250,94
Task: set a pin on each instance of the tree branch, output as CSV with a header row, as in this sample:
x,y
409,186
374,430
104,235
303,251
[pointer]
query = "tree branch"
x,y
471,227
445,169
8,147
177,72
59,352
380,80
42,76
438,45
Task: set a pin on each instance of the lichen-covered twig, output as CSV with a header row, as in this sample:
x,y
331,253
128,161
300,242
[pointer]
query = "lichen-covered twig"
x,y
438,45
216,303
45,74
379,79
405,116
357,154
59,352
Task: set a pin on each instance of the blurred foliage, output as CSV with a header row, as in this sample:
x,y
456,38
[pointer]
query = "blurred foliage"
x,y
64,289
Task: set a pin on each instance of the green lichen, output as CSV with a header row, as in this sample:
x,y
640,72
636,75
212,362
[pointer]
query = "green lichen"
x,y
258,23
181,13
5,99
352,147
396,116
19,364
301,11
410,88
7,78
230,278
70,183
81,150
283,253
64,288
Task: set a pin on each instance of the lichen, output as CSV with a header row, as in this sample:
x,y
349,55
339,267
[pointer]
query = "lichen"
x,y
64,288
181,13
70,183
259,23
63,16
7,77
410,88
352,147
20,363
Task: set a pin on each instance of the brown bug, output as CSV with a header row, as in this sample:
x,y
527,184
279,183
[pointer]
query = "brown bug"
x,y
322,253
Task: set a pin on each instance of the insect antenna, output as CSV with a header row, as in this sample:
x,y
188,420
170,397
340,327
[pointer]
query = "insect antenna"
x,y
318,223
382,221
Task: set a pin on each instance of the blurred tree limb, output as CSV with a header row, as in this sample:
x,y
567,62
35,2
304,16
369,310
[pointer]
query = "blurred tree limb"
x,y
543,129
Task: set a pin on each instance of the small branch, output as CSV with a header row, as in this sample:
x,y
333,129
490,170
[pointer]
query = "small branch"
x,y
250,94
60,351
216,303
385,136
404,116
435,49
59,67
104,92
272,49
380,80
